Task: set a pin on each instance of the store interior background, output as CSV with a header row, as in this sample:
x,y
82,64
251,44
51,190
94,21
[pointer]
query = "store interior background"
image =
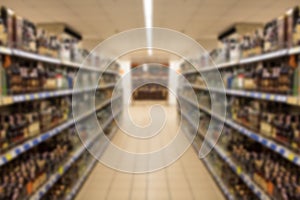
x,y
204,21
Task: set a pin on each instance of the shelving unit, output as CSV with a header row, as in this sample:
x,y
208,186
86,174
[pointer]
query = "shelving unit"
x,y
235,168
250,112
277,148
96,141
22,148
61,170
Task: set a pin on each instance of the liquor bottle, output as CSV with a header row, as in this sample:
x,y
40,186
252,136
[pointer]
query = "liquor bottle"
x,y
296,28
29,36
50,80
32,117
14,79
275,78
271,36
265,81
249,80
33,79
281,32
292,17
296,141
7,17
286,79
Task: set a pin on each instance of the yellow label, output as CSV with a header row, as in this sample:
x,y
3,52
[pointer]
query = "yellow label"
x,y
8,157
264,96
272,97
27,97
7,100
291,157
61,170
36,96
238,170
292,100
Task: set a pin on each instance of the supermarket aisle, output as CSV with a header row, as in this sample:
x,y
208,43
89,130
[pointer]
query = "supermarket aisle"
x,y
187,178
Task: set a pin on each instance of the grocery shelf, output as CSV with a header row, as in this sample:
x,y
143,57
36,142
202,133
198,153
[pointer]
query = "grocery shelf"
x,y
265,56
34,56
57,61
85,175
27,145
63,169
82,179
228,64
11,99
237,169
218,180
60,172
253,59
247,180
272,145
210,169
288,99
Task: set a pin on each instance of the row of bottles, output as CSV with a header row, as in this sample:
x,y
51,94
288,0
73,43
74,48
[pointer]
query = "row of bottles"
x,y
276,76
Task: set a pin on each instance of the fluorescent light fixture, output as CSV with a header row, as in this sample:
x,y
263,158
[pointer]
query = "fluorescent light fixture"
x,y
148,11
148,16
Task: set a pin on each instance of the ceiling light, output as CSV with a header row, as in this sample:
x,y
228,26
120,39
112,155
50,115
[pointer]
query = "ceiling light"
x,y
148,16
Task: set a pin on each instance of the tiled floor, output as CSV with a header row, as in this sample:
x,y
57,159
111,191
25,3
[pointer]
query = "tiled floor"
x,y
185,179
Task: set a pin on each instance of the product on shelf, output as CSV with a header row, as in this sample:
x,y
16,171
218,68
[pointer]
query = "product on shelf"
x,y
27,120
7,22
47,44
3,34
293,27
32,169
37,138
29,77
277,121
274,76
23,176
23,76
24,34
19,33
280,33
236,186
252,44
22,122
276,176
63,187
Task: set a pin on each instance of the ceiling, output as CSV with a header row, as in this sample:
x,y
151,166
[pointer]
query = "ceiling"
x,y
199,19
